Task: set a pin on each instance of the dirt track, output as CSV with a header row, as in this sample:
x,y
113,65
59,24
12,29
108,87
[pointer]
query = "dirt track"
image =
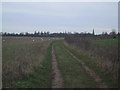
x,y
57,81
90,72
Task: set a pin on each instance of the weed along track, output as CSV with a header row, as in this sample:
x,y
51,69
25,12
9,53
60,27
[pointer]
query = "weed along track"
x,y
57,79
90,72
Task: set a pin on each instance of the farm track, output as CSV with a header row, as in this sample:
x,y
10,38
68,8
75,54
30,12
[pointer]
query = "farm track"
x,y
57,81
90,72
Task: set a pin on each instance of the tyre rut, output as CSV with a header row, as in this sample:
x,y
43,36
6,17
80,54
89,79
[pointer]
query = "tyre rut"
x,y
57,81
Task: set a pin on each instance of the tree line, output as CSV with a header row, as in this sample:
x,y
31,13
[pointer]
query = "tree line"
x,y
112,34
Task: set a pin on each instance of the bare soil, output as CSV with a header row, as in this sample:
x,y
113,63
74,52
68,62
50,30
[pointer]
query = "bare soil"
x,y
90,72
57,81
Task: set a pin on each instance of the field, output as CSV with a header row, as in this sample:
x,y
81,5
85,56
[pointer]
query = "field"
x,y
37,62
24,57
107,42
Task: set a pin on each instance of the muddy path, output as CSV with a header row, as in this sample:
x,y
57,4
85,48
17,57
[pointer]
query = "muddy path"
x,y
90,72
57,81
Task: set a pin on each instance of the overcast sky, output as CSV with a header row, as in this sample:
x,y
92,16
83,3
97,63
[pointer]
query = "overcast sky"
x,y
59,16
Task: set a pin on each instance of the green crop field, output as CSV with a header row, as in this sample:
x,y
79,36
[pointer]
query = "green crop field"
x,y
106,42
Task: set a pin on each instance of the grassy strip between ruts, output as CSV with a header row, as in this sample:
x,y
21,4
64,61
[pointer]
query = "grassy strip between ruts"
x,y
90,62
73,74
41,76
